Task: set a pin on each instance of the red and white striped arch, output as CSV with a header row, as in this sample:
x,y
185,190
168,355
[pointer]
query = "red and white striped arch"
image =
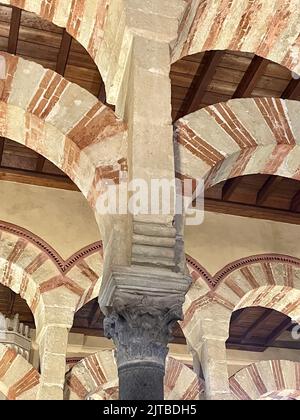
x,y
267,280
96,377
267,380
239,137
19,380
31,268
63,122
267,28
83,20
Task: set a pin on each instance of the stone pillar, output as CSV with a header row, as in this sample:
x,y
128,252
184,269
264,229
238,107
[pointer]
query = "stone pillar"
x,y
137,75
143,300
52,341
212,356
141,308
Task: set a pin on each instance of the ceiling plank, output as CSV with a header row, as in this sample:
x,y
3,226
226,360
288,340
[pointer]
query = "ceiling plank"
x,y
295,203
267,189
254,72
230,187
14,30
32,178
94,314
257,324
63,53
40,163
11,303
245,347
237,316
292,90
283,326
200,82
2,143
247,210
102,93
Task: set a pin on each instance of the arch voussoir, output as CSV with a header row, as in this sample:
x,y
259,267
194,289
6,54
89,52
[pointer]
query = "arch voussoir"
x,y
62,122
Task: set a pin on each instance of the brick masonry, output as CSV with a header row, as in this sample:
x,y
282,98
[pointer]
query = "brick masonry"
x,y
30,267
239,137
84,20
268,280
272,379
266,28
18,379
62,122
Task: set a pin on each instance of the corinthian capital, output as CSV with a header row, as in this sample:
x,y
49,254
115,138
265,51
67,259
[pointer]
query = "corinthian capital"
x,y
141,327
141,308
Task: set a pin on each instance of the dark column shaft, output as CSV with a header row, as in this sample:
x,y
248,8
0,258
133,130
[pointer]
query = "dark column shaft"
x,y
141,381
141,326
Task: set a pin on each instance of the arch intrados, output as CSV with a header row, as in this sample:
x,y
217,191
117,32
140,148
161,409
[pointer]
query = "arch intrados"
x,y
232,145
59,123
257,298
18,271
61,267
13,390
275,377
35,147
216,25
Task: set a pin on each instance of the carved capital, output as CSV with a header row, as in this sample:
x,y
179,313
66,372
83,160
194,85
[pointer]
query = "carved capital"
x,y
141,327
141,309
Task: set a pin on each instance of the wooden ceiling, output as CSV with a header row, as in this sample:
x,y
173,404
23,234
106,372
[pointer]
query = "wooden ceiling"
x,y
217,76
256,329
251,329
26,35
259,196
197,81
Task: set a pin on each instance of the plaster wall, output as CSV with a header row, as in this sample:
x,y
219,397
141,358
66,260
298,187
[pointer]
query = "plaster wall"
x,y
60,217
222,239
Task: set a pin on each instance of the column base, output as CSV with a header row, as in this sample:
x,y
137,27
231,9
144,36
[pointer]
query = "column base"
x,y
141,381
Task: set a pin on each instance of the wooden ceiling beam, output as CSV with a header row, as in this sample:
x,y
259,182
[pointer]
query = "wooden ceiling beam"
x,y
32,178
40,163
200,82
94,314
247,210
2,143
295,203
283,326
230,187
254,72
257,324
11,303
63,53
14,30
267,189
292,90
236,316
245,347
102,93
